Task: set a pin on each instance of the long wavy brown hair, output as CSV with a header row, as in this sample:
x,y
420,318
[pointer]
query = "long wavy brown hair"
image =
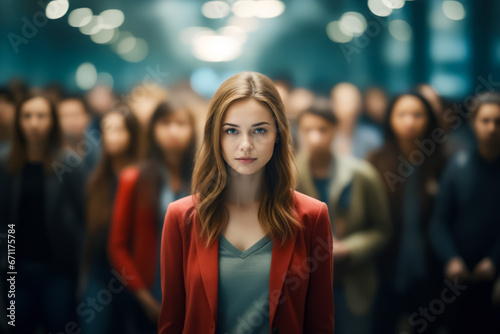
x,y
276,214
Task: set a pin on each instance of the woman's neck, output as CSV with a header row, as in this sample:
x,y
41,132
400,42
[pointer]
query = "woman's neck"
x,y
243,190
118,163
173,162
35,151
406,147
489,152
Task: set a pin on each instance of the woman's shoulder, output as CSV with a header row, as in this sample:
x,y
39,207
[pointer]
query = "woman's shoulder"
x,y
307,206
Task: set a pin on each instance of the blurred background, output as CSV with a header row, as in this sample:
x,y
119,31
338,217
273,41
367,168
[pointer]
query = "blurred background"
x,y
103,106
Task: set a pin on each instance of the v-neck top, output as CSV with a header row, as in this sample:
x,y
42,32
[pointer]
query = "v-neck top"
x,y
243,288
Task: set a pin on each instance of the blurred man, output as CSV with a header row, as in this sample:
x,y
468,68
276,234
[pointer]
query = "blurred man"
x,y
352,137
465,229
359,213
75,119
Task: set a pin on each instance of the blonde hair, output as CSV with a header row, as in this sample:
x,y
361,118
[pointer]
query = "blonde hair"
x,y
276,212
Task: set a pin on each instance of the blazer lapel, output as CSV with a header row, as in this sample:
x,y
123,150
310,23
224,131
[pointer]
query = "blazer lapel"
x,y
281,257
208,259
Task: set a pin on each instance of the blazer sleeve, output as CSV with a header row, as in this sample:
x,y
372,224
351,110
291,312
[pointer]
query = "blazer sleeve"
x,y
319,308
172,311
121,230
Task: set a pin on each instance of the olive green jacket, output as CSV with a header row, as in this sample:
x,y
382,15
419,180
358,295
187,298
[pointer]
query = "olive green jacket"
x,y
363,224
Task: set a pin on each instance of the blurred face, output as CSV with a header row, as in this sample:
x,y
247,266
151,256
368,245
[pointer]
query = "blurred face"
x,y
487,124
7,112
100,99
346,102
174,132
248,135
409,119
35,120
316,133
73,118
115,136
376,104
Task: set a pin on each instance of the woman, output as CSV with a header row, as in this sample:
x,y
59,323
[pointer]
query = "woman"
x,y
119,149
246,252
41,196
409,163
143,195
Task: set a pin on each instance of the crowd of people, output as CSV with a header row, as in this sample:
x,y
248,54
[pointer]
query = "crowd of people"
x,y
412,185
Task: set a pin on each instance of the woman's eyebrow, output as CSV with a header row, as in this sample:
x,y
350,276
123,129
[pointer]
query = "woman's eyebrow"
x,y
237,126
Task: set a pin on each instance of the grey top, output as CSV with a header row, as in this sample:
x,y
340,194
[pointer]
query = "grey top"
x,y
243,290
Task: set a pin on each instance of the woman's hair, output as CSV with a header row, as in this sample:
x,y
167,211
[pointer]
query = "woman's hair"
x,y
210,176
17,154
99,186
150,178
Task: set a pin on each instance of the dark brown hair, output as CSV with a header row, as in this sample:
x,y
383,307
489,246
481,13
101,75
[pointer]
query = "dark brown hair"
x,y
17,154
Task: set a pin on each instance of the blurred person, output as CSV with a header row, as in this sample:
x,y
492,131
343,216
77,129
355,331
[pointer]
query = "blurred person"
x,y
352,137
359,210
284,88
459,133
465,227
375,103
241,240
141,201
7,112
143,100
75,118
120,130
41,199
298,100
410,163
18,87
100,100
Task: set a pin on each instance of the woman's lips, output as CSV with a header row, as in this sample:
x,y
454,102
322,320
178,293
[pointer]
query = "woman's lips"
x,y
246,161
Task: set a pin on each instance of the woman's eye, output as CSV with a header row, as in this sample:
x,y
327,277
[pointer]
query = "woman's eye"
x,y
229,131
262,130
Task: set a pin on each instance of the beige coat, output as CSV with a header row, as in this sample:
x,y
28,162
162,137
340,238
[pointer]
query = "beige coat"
x,y
365,228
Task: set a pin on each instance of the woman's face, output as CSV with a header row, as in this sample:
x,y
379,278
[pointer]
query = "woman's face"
x,y
35,120
115,135
248,131
173,132
486,124
409,119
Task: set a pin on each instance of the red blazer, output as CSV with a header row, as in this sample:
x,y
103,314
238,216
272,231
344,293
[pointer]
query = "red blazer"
x,y
133,238
301,281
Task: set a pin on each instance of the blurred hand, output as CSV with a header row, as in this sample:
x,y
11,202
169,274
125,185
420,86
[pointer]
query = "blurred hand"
x,y
496,292
340,251
484,270
457,268
149,304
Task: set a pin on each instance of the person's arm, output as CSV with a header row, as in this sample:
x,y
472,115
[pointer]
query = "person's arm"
x,y
439,229
363,245
121,231
319,307
172,311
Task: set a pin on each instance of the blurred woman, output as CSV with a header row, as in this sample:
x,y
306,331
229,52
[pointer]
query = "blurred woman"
x,y
409,162
41,199
246,253
119,149
143,195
